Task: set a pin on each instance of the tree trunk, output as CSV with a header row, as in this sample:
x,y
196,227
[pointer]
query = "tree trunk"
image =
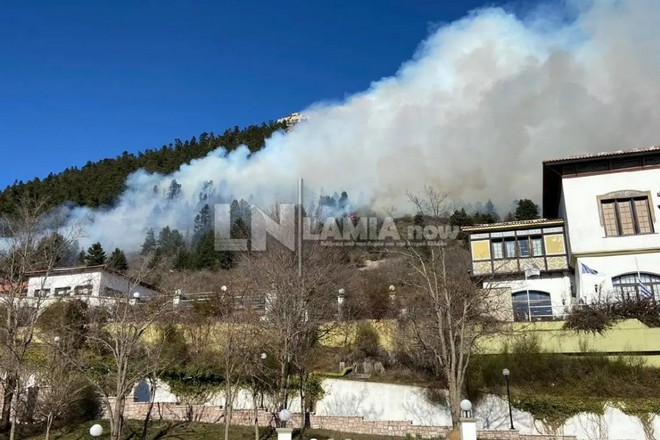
x,y
454,400
49,423
8,396
302,405
227,409
14,411
256,415
117,422
147,417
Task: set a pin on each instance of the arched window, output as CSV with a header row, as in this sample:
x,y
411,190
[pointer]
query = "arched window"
x,y
532,303
630,286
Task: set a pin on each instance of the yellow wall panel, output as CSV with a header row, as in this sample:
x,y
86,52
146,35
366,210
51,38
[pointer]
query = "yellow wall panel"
x,y
554,244
481,250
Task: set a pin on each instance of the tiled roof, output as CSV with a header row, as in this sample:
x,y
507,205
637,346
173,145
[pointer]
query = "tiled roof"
x,y
605,154
513,225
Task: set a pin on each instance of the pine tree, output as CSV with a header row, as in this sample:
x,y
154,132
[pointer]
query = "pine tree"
x,y
489,208
150,243
527,210
118,260
95,255
460,218
205,253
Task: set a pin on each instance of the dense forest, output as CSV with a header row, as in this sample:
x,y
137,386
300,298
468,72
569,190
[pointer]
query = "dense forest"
x,y
99,183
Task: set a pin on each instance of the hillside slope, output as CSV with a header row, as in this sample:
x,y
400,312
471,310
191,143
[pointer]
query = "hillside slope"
x,y
99,183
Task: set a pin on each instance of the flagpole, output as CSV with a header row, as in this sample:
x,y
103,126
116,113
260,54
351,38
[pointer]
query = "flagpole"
x,y
529,307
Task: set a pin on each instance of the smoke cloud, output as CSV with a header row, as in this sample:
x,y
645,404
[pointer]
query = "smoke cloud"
x,y
481,103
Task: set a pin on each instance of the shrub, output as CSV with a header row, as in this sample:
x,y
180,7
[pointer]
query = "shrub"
x,y
367,341
595,318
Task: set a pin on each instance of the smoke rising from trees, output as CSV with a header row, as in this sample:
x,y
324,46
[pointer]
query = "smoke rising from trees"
x,y
474,112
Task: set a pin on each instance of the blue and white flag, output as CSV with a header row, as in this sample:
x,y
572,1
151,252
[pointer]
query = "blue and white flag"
x,y
643,290
586,269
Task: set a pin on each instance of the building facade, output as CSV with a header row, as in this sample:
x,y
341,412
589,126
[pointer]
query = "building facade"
x,y
94,284
529,260
609,202
599,240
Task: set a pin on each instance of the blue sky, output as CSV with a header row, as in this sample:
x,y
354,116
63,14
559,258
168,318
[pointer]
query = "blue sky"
x,y
84,80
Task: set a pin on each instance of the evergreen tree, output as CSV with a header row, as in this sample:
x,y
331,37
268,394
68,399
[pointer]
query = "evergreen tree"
x,y
527,210
205,253
174,190
203,223
150,243
206,257
460,218
489,208
482,218
118,261
95,255
170,242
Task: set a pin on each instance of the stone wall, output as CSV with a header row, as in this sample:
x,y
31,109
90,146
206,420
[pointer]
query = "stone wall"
x,y
354,425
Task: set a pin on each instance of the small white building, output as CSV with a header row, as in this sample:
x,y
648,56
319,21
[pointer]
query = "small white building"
x,y
88,282
609,202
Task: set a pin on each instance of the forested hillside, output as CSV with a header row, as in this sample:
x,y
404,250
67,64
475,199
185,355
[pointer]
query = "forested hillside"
x,y
99,183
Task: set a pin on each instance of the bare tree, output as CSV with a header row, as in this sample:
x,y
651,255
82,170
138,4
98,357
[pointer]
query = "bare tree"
x,y
60,386
123,345
301,304
34,240
447,310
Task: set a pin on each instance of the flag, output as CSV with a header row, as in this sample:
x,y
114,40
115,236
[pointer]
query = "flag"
x,y
643,290
586,269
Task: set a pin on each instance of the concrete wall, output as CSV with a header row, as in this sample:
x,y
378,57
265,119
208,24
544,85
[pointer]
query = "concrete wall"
x,y
582,212
369,407
625,336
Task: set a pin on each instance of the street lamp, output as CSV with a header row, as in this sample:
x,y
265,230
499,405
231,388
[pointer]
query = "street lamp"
x,y
392,293
96,430
263,357
466,408
284,433
223,289
506,374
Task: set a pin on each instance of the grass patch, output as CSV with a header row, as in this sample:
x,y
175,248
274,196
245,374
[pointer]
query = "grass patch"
x,y
200,431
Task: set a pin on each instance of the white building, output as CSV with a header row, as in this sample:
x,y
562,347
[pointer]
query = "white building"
x,y
609,202
599,241
93,283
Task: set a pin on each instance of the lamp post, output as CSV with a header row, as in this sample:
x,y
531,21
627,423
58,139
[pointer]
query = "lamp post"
x,y
263,357
96,431
506,374
466,408
392,293
284,433
468,424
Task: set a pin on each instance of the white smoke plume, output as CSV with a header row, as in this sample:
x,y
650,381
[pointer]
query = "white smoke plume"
x,y
483,101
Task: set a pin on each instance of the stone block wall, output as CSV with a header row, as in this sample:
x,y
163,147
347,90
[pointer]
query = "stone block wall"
x,y
354,425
